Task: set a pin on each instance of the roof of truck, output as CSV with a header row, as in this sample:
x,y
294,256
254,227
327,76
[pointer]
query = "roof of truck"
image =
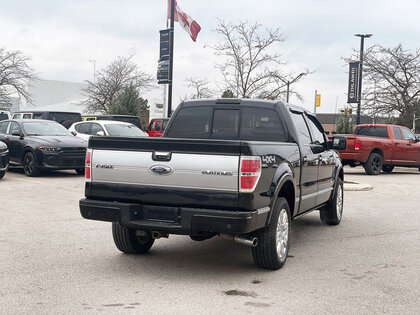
x,y
241,101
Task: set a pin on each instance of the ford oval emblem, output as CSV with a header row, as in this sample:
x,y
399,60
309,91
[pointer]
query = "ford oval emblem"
x,y
161,169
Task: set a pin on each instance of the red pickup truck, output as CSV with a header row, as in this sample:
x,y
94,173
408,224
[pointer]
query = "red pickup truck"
x,y
379,147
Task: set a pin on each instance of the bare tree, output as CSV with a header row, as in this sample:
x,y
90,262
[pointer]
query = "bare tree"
x,y
200,87
15,73
251,69
392,82
111,81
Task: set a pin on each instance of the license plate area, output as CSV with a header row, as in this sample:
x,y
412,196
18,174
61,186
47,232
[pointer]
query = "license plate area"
x,y
162,214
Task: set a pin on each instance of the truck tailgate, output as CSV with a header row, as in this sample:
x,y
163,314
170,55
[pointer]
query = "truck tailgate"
x,y
182,171
165,171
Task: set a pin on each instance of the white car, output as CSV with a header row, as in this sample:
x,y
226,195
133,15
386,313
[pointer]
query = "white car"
x,y
86,129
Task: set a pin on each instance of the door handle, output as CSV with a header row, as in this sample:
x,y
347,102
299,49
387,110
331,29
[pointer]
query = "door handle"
x,y
409,144
397,143
305,159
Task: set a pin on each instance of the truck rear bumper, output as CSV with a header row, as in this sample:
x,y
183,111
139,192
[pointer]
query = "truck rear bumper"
x,y
174,220
349,157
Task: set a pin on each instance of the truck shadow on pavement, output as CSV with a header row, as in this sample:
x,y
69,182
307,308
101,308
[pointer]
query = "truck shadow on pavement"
x,y
189,259
46,173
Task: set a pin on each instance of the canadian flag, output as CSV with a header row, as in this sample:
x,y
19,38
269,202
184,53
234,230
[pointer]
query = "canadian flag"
x,y
186,21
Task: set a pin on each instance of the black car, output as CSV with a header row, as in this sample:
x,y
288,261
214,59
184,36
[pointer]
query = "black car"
x,y
4,159
64,118
42,144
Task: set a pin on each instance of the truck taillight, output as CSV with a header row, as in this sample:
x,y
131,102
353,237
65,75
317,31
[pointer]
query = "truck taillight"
x,y
250,172
357,145
87,164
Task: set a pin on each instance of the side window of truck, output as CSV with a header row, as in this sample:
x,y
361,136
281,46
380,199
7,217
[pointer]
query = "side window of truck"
x,y
301,128
408,135
317,133
262,124
397,133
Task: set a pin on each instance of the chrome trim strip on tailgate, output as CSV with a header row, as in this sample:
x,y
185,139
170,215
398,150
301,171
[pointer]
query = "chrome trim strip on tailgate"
x,y
133,167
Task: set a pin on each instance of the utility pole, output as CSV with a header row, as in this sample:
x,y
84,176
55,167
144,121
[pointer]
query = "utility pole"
x,y
359,96
171,57
287,93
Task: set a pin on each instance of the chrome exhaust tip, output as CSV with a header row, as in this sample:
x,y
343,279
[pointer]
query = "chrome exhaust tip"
x,y
242,239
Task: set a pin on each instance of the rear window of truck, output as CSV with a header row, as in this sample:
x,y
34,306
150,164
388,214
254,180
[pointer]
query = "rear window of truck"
x,y
372,131
249,123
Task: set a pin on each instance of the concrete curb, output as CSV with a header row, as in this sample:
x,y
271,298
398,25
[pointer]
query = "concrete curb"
x,y
356,186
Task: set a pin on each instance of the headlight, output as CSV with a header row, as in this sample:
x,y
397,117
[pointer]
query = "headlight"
x,y
49,149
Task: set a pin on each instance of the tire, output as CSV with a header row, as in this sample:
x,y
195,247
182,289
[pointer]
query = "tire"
x,y
373,164
29,165
128,242
2,174
274,240
387,168
332,213
80,171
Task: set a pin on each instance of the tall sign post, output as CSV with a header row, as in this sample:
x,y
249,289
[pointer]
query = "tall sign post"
x,y
171,57
359,95
166,58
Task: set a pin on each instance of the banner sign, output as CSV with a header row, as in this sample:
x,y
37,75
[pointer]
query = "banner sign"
x,y
163,64
353,82
164,45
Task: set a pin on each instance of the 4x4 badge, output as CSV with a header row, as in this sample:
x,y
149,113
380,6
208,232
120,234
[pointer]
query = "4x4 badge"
x,y
161,169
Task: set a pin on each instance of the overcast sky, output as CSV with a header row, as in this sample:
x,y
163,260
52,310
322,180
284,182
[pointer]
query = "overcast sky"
x,y
61,36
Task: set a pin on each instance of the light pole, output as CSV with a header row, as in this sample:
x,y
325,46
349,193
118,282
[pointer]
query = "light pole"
x,y
94,69
359,96
290,82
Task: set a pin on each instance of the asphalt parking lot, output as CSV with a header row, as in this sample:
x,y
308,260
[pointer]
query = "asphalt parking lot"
x,y
53,261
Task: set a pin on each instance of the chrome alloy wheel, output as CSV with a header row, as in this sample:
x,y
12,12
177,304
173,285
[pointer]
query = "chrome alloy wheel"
x,y
282,233
339,202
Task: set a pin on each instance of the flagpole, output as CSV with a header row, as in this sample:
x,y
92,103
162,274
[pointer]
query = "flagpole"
x,y
171,57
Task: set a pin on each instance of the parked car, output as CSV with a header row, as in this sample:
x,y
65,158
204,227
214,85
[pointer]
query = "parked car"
x,y
42,144
4,159
4,115
379,147
157,127
125,118
64,118
237,168
86,129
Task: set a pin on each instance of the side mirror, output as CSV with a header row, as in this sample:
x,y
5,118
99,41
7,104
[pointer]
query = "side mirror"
x,y
317,148
74,133
100,133
17,134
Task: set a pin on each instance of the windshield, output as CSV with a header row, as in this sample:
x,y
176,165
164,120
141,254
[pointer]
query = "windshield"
x,y
38,128
124,130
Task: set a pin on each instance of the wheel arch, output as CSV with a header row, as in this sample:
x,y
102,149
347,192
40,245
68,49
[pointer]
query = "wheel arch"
x,y
26,150
284,187
377,150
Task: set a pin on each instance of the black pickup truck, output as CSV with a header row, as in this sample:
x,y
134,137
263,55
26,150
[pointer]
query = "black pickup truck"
x,y
238,168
